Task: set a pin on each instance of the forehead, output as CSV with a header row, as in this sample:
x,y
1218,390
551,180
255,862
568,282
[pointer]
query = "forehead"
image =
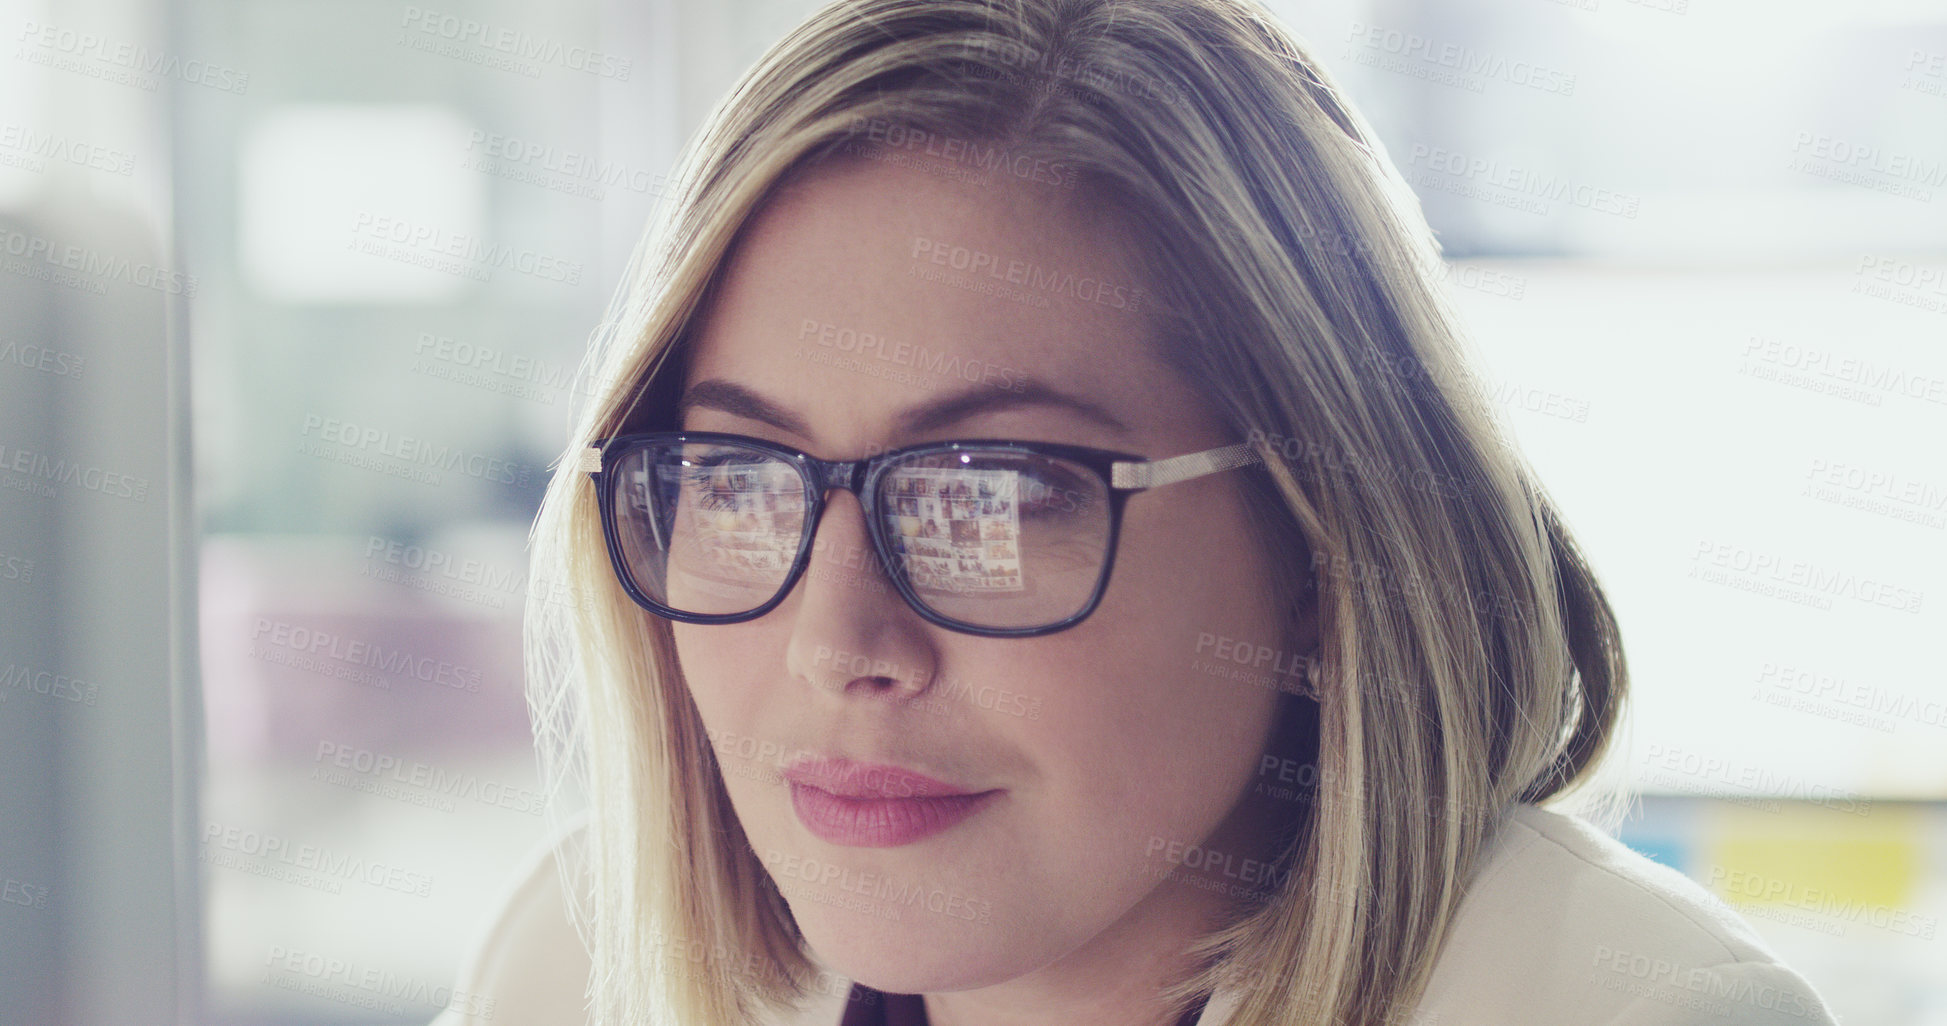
x,y
869,287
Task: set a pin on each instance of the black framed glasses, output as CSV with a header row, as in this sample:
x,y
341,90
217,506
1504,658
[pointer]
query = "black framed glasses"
x,y
984,536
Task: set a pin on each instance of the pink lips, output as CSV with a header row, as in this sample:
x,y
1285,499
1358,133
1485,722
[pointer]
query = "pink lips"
x,y
870,805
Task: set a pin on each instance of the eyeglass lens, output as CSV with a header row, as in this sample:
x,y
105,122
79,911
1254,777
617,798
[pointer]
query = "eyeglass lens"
x,y
991,538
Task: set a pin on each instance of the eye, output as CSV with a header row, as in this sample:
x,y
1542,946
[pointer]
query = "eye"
x,y
723,457
711,466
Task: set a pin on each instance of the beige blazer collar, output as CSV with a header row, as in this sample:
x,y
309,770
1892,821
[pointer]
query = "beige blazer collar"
x,y
828,1008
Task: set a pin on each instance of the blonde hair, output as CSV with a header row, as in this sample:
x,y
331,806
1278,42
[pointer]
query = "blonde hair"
x,y
1467,658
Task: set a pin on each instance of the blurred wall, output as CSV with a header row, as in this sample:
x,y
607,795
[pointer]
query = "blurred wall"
x,y
98,721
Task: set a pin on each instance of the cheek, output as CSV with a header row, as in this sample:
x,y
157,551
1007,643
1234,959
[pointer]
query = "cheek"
x,y
1193,588
1146,695
727,689
705,667
1135,750
1173,741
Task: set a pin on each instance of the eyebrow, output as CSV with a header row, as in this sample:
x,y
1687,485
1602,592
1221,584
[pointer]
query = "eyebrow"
x,y
931,415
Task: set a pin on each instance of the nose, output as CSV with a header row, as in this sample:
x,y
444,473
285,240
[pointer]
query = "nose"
x,y
852,634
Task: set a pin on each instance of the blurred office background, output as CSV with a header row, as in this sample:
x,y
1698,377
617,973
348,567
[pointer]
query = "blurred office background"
x,y
1702,246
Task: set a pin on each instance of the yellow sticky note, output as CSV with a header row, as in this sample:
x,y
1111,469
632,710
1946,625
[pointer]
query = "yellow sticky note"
x,y
1822,858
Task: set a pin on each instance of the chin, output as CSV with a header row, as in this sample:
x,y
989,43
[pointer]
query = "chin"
x,y
909,955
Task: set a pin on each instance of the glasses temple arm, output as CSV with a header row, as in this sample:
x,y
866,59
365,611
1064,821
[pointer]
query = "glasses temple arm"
x,y
1127,474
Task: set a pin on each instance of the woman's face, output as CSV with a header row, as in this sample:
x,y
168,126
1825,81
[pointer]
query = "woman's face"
x,y
1112,748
